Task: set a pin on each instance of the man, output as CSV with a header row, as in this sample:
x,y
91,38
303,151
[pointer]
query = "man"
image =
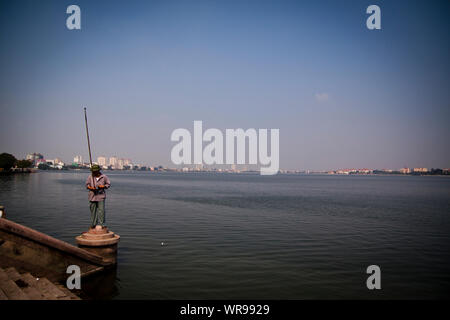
x,y
97,183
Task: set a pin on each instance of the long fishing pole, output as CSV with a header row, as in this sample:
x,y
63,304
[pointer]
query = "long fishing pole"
x,y
87,135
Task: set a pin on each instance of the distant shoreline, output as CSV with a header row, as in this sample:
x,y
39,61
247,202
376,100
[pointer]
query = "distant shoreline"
x,y
25,171
229,172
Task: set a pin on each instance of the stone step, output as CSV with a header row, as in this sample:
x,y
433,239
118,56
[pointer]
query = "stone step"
x,y
12,273
33,283
3,295
95,236
51,288
69,293
47,289
15,286
32,293
10,289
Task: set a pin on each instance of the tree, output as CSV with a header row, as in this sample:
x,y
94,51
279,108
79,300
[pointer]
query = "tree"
x,y
7,161
22,164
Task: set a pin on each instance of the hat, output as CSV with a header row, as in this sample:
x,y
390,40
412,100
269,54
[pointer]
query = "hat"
x,y
95,167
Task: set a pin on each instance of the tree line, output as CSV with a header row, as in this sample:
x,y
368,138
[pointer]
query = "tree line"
x,y
8,161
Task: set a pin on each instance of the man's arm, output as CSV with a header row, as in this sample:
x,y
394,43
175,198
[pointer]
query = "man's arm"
x,y
88,184
107,182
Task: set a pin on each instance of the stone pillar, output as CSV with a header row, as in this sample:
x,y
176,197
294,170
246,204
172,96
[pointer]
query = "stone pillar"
x,y
101,242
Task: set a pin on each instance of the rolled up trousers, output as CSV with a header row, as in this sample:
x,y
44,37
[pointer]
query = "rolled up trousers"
x,y
97,213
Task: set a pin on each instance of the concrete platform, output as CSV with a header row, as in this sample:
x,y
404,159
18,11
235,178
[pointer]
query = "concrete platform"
x,y
102,242
97,238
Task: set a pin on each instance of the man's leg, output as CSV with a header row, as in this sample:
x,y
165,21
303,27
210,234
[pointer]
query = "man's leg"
x,y
93,206
101,213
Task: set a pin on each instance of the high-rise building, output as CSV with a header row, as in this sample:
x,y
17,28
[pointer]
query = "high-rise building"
x,y
34,157
101,161
78,159
120,164
405,170
113,162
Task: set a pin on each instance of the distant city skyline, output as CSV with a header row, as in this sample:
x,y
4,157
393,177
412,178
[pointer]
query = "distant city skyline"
x,y
117,163
341,95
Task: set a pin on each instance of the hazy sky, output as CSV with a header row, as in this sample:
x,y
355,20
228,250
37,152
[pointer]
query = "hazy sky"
x,y
341,95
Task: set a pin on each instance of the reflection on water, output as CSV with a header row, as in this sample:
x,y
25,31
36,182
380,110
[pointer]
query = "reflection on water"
x,y
249,236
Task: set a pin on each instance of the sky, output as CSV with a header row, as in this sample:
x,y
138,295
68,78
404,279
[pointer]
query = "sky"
x,y
342,96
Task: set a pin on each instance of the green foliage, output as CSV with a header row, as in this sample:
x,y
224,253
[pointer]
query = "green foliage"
x,y
22,164
7,161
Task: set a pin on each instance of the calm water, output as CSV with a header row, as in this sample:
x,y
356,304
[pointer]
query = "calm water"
x,y
248,236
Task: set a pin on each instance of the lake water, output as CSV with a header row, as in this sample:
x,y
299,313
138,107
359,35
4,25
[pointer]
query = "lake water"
x,y
246,236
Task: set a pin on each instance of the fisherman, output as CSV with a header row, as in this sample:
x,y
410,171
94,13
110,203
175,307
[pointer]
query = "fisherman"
x,y
97,183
